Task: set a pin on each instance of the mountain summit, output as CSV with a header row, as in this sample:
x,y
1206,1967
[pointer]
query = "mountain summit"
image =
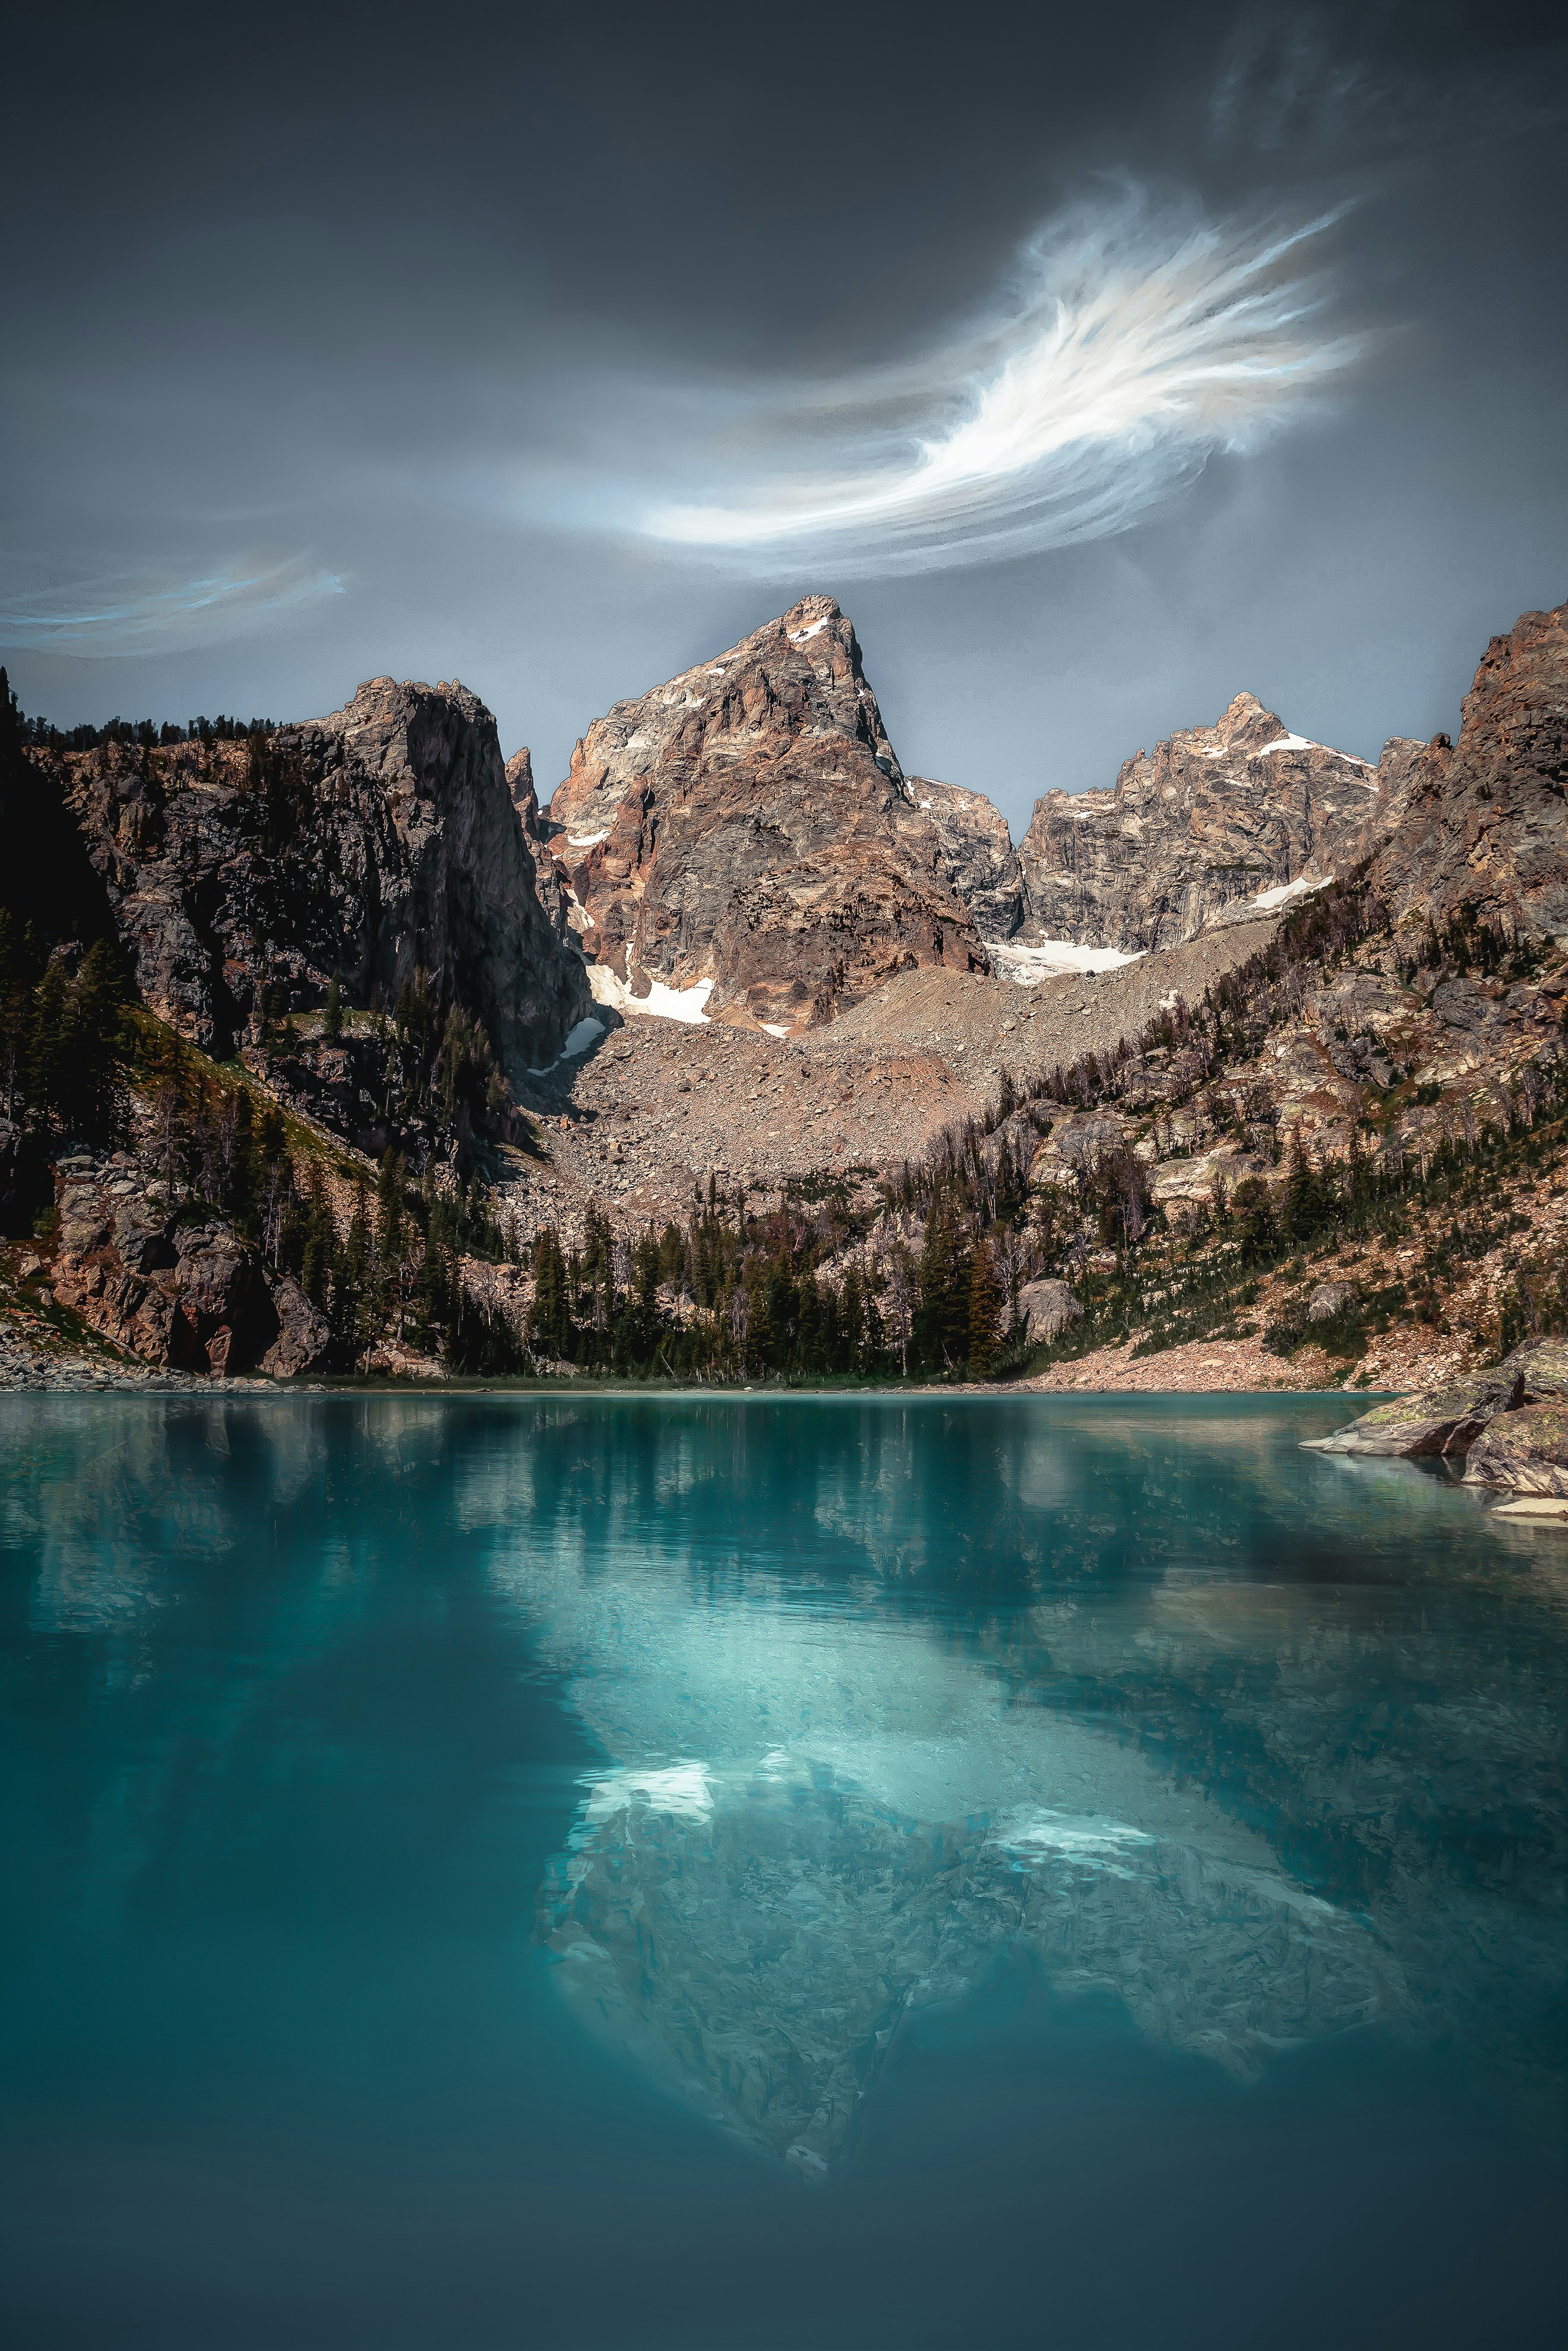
x,y
1214,815
747,826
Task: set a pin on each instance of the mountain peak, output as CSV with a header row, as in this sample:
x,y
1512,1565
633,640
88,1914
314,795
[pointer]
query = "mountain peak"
x,y
747,824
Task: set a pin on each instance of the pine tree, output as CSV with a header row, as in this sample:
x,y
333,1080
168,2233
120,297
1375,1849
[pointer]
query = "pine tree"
x,y
1304,1201
942,1323
985,1306
332,1012
241,1174
95,1044
392,1240
351,1300
47,1043
16,961
549,1319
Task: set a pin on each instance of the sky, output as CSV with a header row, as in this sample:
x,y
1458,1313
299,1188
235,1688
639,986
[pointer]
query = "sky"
x,y
1101,366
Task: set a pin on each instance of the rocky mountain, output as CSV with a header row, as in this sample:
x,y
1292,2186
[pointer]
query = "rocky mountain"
x,y
1215,816
1483,822
978,851
941,1135
748,825
244,875
49,881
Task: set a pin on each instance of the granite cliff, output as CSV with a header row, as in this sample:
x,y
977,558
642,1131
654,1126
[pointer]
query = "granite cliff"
x,y
550,885
978,851
748,826
1483,822
1215,816
182,1291
245,875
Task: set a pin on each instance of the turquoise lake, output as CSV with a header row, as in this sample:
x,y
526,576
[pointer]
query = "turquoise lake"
x,y
752,1873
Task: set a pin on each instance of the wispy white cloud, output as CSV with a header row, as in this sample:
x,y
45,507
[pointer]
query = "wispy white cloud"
x,y
128,613
1131,343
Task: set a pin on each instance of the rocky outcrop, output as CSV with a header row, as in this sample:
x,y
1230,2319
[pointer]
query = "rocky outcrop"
x,y
1215,817
371,843
184,1292
1442,1421
1542,1368
1524,1452
1079,1141
1211,1181
978,851
1510,1423
748,825
1483,822
550,885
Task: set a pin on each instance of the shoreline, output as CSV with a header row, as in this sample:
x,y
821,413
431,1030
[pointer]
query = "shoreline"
x,y
189,1386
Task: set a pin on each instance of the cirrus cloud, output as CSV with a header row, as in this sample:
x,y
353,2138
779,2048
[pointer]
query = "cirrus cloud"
x,y
131,612
1131,343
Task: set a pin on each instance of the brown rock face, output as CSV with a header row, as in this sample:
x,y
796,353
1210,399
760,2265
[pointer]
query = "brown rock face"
x,y
1523,1452
183,1295
1485,820
979,854
1213,817
371,843
748,824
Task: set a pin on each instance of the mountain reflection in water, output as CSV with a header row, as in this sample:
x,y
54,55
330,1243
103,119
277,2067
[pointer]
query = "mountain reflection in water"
x,y
1260,1812
784,1784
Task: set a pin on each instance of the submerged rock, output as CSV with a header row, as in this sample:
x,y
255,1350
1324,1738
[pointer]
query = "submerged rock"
x,y
750,1937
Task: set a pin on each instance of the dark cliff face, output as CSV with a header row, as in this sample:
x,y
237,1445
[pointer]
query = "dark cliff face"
x,y
48,879
550,885
1215,815
371,843
748,824
1483,822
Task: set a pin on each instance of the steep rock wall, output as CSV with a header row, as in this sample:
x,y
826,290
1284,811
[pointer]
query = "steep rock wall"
x,y
371,843
1483,822
748,824
1215,815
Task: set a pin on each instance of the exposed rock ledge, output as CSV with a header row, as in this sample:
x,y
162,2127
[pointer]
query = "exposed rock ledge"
x,y
181,1293
1509,1425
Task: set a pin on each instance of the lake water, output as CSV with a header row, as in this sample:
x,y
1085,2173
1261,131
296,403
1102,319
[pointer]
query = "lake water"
x,y
821,1873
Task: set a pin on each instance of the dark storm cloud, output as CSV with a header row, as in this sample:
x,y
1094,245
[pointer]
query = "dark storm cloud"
x,y
327,335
